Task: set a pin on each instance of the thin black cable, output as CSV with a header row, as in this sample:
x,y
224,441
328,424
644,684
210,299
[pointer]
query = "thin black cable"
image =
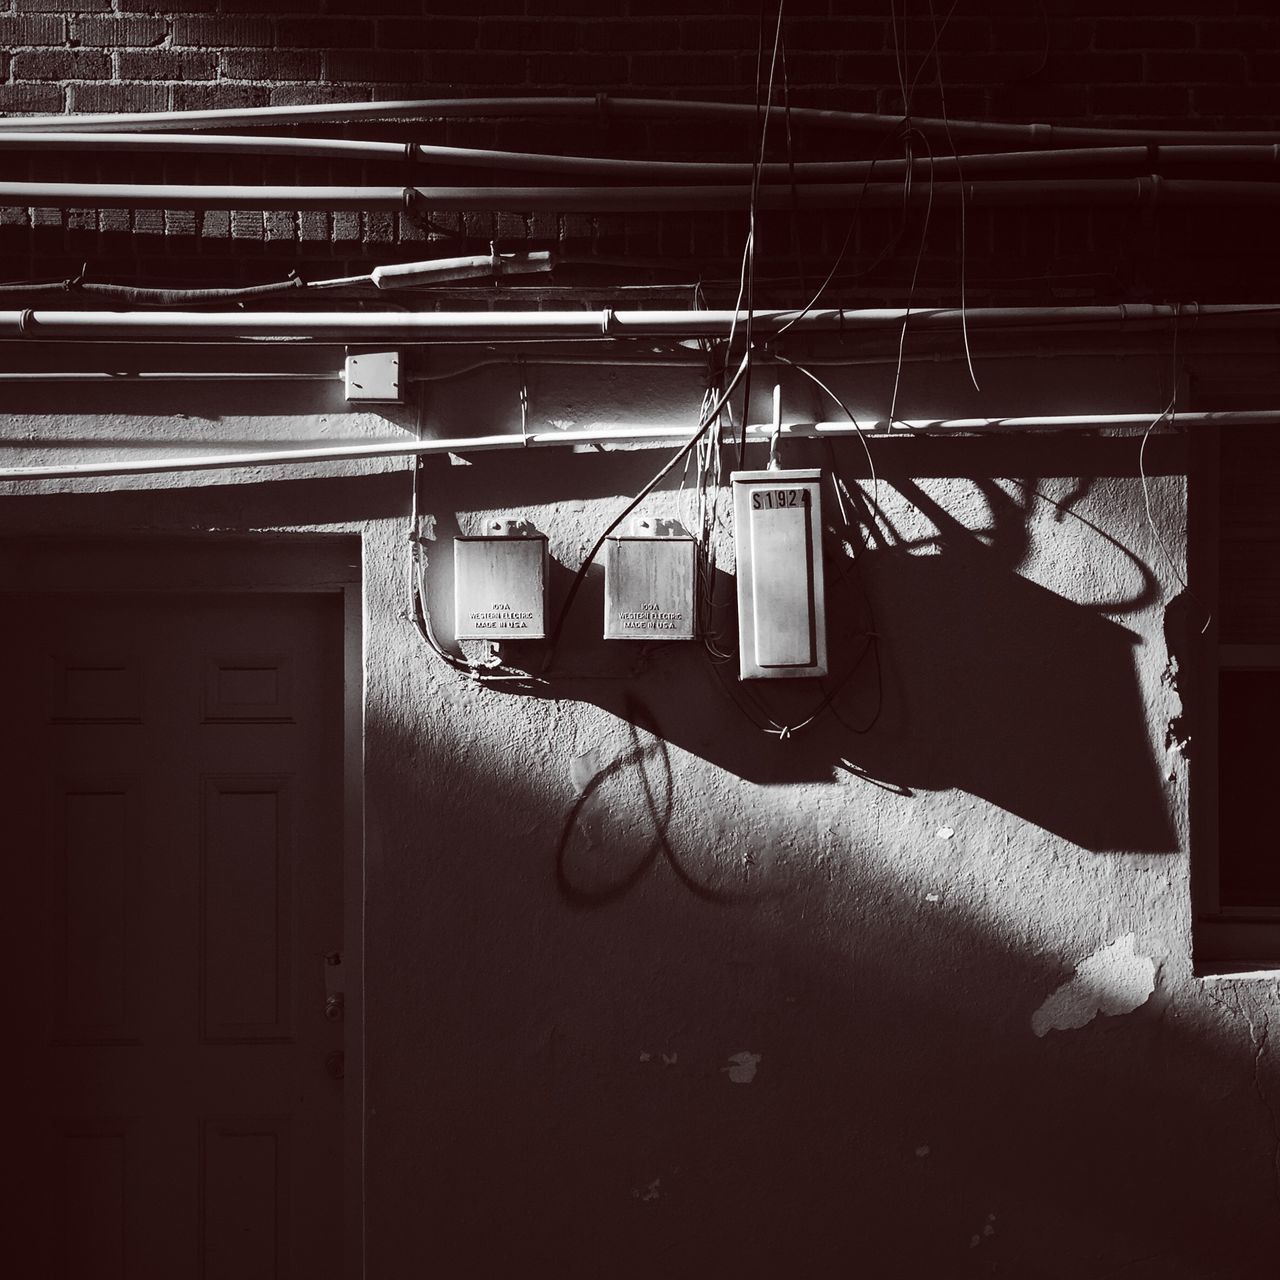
x,y
899,57
752,214
791,175
420,615
579,577
1169,412
933,48
754,710
955,155
911,292
866,448
885,142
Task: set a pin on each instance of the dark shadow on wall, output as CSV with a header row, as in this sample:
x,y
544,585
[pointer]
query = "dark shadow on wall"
x,y
835,1077
552,1085
950,669
208,507
978,678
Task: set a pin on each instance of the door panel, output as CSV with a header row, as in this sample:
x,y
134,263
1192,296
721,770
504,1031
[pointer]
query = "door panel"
x,y
172,785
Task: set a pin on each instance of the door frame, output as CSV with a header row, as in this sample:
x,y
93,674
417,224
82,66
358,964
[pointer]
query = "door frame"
x,y
284,563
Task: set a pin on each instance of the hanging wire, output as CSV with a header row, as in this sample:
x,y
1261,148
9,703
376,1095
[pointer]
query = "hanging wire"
x,y
899,57
580,576
848,413
750,254
955,155
419,614
796,239
911,292
1167,414
887,140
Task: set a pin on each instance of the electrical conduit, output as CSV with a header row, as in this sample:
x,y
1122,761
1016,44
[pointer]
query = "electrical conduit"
x,y
757,433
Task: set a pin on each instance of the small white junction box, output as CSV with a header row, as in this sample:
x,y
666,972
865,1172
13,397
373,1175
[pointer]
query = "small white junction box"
x,y
373,376
777,518
499,584
649,586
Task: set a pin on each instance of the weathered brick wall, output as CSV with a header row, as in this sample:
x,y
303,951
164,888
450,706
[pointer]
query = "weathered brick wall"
x,y
1069,60
1176,62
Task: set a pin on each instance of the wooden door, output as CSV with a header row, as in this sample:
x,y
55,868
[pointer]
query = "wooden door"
x,y
173,798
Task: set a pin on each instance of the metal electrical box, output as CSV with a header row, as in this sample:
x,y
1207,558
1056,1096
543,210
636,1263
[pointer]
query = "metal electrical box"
x,y
649,581
499,584
373,376
777,518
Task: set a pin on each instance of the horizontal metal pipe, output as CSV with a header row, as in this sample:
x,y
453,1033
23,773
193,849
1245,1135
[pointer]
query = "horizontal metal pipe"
x,y
694,364
471,326
229,375
603,105
47,140
1150,189
977,165
314,113
408,275
756,433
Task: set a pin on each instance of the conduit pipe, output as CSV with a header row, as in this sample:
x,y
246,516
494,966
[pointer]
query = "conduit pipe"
x,y
602,105
1148,190
396,275
977,165
473,326
138,295
756,433
691,363
406,275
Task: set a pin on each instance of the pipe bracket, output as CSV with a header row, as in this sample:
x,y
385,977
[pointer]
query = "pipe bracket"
x,y
415,209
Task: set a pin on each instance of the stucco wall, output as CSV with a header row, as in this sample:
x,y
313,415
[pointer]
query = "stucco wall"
x,y
650,992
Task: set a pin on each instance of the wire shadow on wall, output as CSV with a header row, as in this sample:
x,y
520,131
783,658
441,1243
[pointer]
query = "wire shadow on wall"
x,y
951,668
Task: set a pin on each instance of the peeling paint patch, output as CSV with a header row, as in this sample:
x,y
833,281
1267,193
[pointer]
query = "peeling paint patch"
x,y
988,1230
933,897
583,768
945,833
742,1067
648,1194
1112,981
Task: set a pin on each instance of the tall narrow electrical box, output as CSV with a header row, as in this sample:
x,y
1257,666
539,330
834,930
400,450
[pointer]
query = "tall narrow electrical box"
x,y
649,584
499,583
777,518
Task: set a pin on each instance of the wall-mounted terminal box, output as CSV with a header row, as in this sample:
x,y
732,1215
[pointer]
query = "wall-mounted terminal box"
x,y
373,377
649,578
500,583
777,518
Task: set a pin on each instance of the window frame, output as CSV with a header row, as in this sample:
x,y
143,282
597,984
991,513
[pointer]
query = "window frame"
x,y
1223,937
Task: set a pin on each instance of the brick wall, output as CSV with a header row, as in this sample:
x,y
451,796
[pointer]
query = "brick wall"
x,y
1066,61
